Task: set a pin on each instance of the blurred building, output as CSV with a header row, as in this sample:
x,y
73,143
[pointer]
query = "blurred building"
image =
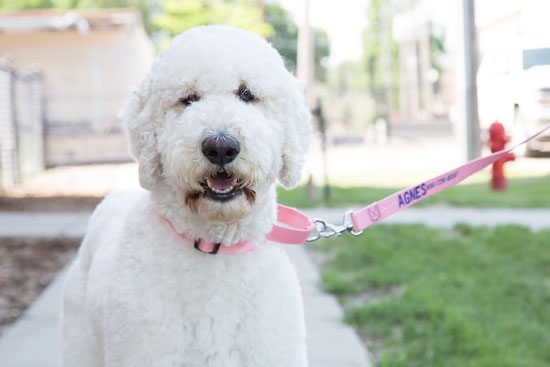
x,y
514,76
89,61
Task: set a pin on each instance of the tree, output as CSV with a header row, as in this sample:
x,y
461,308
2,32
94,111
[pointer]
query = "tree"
x,y
285,33
177,15
285,38
164,19
379,46
437,50
377,43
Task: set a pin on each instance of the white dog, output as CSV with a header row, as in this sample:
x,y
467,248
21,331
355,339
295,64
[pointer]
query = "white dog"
x,y
215,122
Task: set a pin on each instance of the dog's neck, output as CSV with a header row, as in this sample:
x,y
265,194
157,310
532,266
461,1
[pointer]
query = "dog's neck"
x,y
253,227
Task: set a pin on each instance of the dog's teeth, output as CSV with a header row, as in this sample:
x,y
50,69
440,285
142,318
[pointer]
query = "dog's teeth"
x,y
225,191
217,191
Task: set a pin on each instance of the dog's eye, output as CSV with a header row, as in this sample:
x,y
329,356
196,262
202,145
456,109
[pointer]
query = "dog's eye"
x,y
245,94
189,100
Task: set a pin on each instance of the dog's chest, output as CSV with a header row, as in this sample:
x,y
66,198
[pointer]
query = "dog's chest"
x,y
167,299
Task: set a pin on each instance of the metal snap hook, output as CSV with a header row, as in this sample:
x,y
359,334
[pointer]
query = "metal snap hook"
x,y
320,225
324,229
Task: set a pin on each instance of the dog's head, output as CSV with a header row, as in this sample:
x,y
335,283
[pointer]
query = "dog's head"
x,y
216,121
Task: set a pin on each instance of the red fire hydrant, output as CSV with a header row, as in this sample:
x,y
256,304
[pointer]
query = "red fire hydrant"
x,y
497,142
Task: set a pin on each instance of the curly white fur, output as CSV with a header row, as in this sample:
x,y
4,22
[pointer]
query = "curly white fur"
x,y
140,295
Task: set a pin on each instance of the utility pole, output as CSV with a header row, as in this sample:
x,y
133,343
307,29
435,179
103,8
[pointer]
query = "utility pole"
x,y
473,139
305,60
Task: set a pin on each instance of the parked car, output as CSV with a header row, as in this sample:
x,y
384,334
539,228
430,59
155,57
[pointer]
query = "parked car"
x,y
514,88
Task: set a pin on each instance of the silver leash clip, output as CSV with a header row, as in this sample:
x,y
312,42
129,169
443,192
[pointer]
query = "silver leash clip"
x,y
325,229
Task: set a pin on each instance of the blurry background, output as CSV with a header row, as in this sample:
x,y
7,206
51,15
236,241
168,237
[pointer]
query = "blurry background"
x,y
400,90
382,77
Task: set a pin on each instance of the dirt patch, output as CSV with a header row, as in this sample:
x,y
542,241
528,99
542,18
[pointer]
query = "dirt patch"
x,y
49,204
27,266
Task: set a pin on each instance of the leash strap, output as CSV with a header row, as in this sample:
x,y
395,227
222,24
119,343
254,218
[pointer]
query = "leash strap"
x,y
292,228
382,209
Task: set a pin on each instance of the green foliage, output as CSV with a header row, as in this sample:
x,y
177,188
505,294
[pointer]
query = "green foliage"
x,y
437,45
285,33
344,96
378,39
525,192
372,38
26,4
285,38
142,5
178,15
460,297
437,50
322,50
168,18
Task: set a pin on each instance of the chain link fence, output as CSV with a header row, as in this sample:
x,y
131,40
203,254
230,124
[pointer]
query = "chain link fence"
x,y
21,123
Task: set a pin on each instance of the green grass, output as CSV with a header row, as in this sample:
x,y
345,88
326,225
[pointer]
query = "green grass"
x,y
463,297
522,192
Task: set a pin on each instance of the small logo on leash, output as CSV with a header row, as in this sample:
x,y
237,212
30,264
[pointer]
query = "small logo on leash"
x,y
374,213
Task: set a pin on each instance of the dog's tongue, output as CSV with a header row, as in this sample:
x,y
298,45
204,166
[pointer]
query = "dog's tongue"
x,y
222,181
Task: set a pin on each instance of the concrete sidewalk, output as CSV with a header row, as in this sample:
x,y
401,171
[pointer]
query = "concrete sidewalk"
x,y
49,225
33,341
74,224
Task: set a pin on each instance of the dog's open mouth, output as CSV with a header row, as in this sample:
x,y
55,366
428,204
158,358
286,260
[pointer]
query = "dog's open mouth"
x,y
221,187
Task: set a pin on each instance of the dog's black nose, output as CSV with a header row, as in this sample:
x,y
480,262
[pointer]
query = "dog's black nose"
x,y
220,149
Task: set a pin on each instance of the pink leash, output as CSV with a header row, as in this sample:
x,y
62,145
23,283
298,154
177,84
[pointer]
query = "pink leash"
x,y
379,210
294,227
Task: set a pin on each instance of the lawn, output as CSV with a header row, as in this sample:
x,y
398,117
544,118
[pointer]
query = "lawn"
x,y
522,192
445,298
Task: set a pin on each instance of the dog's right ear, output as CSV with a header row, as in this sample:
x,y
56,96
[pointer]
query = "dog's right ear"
x,y
138,116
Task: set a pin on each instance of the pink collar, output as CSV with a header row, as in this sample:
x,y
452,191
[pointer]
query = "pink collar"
x,y
292,228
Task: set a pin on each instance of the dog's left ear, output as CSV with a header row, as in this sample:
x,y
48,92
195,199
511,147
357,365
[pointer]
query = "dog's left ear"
x,y
297,136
